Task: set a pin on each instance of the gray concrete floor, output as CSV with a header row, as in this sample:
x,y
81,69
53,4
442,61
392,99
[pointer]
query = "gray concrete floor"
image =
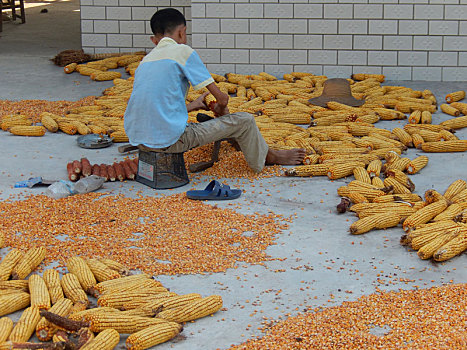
x,y
317,238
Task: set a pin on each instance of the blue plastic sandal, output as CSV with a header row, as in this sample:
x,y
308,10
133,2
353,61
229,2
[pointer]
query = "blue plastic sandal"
x,y
214,191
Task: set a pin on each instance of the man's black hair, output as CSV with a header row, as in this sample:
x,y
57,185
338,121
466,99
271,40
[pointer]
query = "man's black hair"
x,y
166,20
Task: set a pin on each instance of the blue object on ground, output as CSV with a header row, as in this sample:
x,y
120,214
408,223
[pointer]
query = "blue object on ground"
x,y
33,181
214,191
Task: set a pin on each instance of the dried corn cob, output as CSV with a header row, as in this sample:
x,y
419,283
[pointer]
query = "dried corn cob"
x,y
67,128
117,300
101,271
399,164
7,125
445,135
415,117
454,247
70,68
374,168
361,174
48,122
13,302
425,214
341,170
449,110
445,146
45,329
308,170
172,301
403,136
77,266
377,182
6,325
455,96
415,165
428,136
20,285
455,188
311,159
108,339
26,325
455,123
153,335
72,289
52,280
118,284
410,197
9,262
417,140
115,265
401,178
460,197
380,221
121,323
26,130
356,197
449,213
194,310
402,211
427,250
426,117
119,136
30,261
40,296
432,196
424,235
462,107
85,314
86,168
102,76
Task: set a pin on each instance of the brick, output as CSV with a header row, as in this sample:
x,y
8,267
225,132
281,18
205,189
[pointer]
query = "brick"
x,y
249,11
352,57
368,11
278,70
94,40
314,69
442,59
411,27
92,12
413,1
293,56
264,56
142,40
293,26
444,27
428,43
463,59
382,27
87,26
104,3
456,12
198,10
281,41
463,28
429,12
234,56
209,55
383,58
86,3
338,11
397,73
199,40
337,71
367,70
278,11
133,27
249,41
185,3
234,26
398,11
367,42
454,73
308,11
307,41
322,57
398,42
455,43
412,58
220,40
131,3
264,25
205,25
154,3
351,26
121,13
89,50
337,42
120,40
248,68
443,1
322,26
426,73
220,10
106,26
221,68
142,13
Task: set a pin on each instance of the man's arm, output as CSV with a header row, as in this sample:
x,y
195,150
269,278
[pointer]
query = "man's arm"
x,y
197,104
220,108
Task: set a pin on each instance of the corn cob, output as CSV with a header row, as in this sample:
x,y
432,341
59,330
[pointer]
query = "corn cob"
x,y
30,261
84,315
415,117
445,108
121,323
49,123
26,130
426,117
77,266
424,235
400,164
460,197
374,168
108,339
6,325
432,196
119,284
455,96
8,263
381,153
452,248
72,289
115,265
26,325
445,146
119,136
402,211
417,140
410,197
401,178
380,221
361,174
45,329
20,285
308,170
403,136
52,280
153,335
462,107
362,76
40,296
13,302
340,170
102,76
67,128
194,310
428,249
101,271
415,165
70,68
425,214
428,95
455,188
117,300
445,135
450,213
356,197
7,125
311,159
377,182
455,123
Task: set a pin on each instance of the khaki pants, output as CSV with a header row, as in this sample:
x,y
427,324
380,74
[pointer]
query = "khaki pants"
x,y
240,126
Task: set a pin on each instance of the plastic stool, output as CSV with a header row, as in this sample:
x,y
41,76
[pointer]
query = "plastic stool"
x,y
161,170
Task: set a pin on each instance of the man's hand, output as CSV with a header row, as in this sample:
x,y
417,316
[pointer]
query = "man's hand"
x,y
198,103
220,110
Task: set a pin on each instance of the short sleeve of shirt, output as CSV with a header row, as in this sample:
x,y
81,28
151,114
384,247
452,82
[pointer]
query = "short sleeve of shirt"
x,y
196,72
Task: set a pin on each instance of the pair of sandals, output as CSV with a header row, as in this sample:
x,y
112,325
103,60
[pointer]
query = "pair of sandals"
x,y
214,191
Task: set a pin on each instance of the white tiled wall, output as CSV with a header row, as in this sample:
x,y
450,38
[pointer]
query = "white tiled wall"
x,y
403,39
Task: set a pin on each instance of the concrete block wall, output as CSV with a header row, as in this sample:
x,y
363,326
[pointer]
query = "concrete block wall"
x,y
123,25
403,39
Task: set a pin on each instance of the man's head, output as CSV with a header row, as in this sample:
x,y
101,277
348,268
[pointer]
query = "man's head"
x,y
168,22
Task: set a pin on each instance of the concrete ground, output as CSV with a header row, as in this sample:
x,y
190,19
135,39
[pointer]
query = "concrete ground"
x,y
322,260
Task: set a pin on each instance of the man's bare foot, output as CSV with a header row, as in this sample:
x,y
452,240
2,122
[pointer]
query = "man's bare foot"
x,y
285,157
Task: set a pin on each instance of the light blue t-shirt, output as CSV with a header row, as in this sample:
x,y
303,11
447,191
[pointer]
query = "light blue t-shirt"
x,y
156,114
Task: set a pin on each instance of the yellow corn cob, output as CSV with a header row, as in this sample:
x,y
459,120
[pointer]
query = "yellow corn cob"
x,y
380,221
415,165
67,128
297,118
28,263
401,178
362,76
428,95
194,310
119,136
361,174
368,118
82,128
356,197
311,159
402,211
13,302
455,123
20,285
445,108
142,302
428,249
70,68
403,136
26,325
97,129
452,248
121,284
117,300
462,107
173,301
101,271
399,164
218,78
445,135
425,214
340,170
455,188
49,123
432,196
108,339
445,146
77,266
40,296
26,130
415,128
450,213
78,307
153,335
455,96
409,197
308,170
417,140
115,265
429,136
369,192
52,280
377,182
8,263
73,290
86,70
460,197
84,315
7,125
121,323
424,235
6,325
45,329
388,206
102,76
374,168
415,117
381,153
426,117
